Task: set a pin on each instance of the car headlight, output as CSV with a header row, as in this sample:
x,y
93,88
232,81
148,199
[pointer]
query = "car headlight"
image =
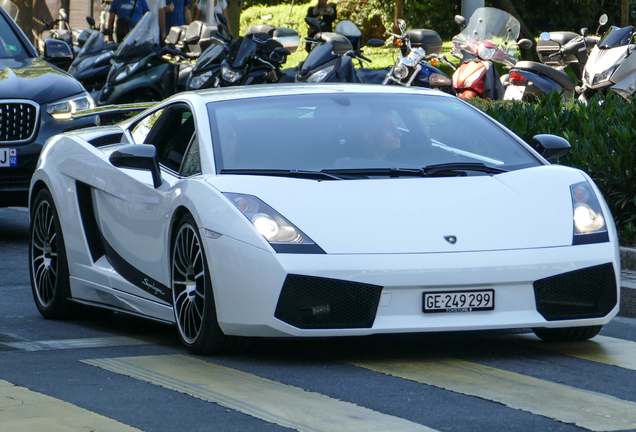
x,y
64,109
126,71
277,230
230,75
400,71
198,80
320,75
589,223
603,76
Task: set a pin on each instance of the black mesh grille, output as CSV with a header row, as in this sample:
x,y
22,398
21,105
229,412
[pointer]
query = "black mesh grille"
x,y
17,121
312,303
91,230
106,140
586,293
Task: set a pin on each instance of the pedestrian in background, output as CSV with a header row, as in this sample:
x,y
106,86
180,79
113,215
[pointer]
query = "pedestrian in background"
x,y
206,11
326,14
123,9
180,14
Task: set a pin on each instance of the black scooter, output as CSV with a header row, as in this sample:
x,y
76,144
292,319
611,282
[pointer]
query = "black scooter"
x,y
331,59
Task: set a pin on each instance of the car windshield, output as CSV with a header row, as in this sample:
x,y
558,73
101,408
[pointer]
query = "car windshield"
x,y
359,131
10,45
494,26
616,37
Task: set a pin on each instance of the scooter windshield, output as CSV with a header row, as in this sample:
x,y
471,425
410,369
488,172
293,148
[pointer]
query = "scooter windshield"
x,y
496,29
616,37
242,52
94,43
140,42
209,56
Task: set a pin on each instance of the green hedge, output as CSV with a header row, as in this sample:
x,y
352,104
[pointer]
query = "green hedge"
x,y
603,140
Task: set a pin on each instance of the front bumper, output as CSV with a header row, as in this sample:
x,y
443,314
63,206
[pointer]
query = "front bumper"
x,y
248,283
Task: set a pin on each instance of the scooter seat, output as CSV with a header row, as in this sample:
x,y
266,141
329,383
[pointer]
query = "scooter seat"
x,y
341,44
560,77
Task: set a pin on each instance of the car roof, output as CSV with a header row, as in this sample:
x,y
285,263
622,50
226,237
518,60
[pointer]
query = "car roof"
x,y
268,90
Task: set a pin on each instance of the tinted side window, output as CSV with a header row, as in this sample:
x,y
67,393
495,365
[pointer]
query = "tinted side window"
x,y
192,160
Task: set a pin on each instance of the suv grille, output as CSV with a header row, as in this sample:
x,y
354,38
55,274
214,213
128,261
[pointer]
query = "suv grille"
x,y
18,120
585,293
319,303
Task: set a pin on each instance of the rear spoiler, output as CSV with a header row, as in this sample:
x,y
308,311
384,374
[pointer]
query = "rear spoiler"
x,y
114,109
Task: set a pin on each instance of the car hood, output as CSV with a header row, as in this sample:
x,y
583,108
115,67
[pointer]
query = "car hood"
x,y
530,208
36,80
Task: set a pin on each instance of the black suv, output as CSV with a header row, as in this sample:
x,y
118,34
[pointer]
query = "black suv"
x,y
36,102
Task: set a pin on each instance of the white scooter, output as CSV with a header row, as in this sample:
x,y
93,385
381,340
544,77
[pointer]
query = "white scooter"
x,y
611,65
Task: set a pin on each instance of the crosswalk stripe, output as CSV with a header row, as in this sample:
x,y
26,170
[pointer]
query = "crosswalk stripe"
x,y
22,410
75,343
601,349
587,409
268,400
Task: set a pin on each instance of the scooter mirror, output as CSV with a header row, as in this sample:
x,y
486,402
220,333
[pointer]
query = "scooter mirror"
x,y
460,21
63,15
585,32
374,43
525,43
90,21
312,22
603,19
545,36
402,24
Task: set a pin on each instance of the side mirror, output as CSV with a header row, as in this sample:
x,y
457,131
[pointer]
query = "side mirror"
x,y
603,19
58,53
550,146
402,25
374,43
585,32
312,22
282,51
525,43
91,21
460,21
63,15
139,157
221,18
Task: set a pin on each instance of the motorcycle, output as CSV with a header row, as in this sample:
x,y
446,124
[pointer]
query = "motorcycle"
x,y
331,59
488,38
420,48
255,58
611,67
529,81
92,64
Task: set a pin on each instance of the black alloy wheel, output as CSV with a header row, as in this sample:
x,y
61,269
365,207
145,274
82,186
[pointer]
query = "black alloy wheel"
x,y
48,264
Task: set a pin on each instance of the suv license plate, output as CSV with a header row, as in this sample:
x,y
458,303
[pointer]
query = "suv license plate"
x,y
8,157
459,301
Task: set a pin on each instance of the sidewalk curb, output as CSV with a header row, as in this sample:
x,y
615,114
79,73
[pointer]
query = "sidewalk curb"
x,y
628,290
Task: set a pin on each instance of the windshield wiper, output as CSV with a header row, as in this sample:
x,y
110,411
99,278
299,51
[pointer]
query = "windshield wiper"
x,y
459,168
375,172
315,175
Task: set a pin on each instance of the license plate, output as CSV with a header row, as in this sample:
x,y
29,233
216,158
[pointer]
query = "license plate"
x,y
514,92
459,301
8,157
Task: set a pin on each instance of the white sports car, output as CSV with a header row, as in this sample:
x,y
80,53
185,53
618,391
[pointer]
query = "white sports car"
x,y
320,210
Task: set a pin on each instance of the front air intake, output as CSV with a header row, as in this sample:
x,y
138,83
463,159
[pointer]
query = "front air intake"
x,y
585,293
310,302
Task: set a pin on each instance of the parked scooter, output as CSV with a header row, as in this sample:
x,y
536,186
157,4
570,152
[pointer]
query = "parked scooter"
x,y
92,64
331,59
529,81
488,38
412,68
611,66
60,30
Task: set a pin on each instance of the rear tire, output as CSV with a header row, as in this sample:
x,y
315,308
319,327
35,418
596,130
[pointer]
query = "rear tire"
x,y
48,264
571,334
192,295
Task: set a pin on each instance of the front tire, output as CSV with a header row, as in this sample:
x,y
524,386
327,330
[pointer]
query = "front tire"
x,y
49,267
571,334
192,295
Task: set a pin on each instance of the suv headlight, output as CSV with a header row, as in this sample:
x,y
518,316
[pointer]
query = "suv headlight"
x,y
589,223
230,75
278,231
65,108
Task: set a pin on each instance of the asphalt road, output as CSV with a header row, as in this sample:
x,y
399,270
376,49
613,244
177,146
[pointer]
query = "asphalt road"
x,y
124,373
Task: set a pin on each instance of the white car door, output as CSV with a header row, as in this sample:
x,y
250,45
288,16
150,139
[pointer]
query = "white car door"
x,y
134,216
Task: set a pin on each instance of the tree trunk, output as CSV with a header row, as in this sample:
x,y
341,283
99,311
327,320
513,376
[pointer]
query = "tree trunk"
x,y
624,13
30,11
506,5
398,15
234,8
